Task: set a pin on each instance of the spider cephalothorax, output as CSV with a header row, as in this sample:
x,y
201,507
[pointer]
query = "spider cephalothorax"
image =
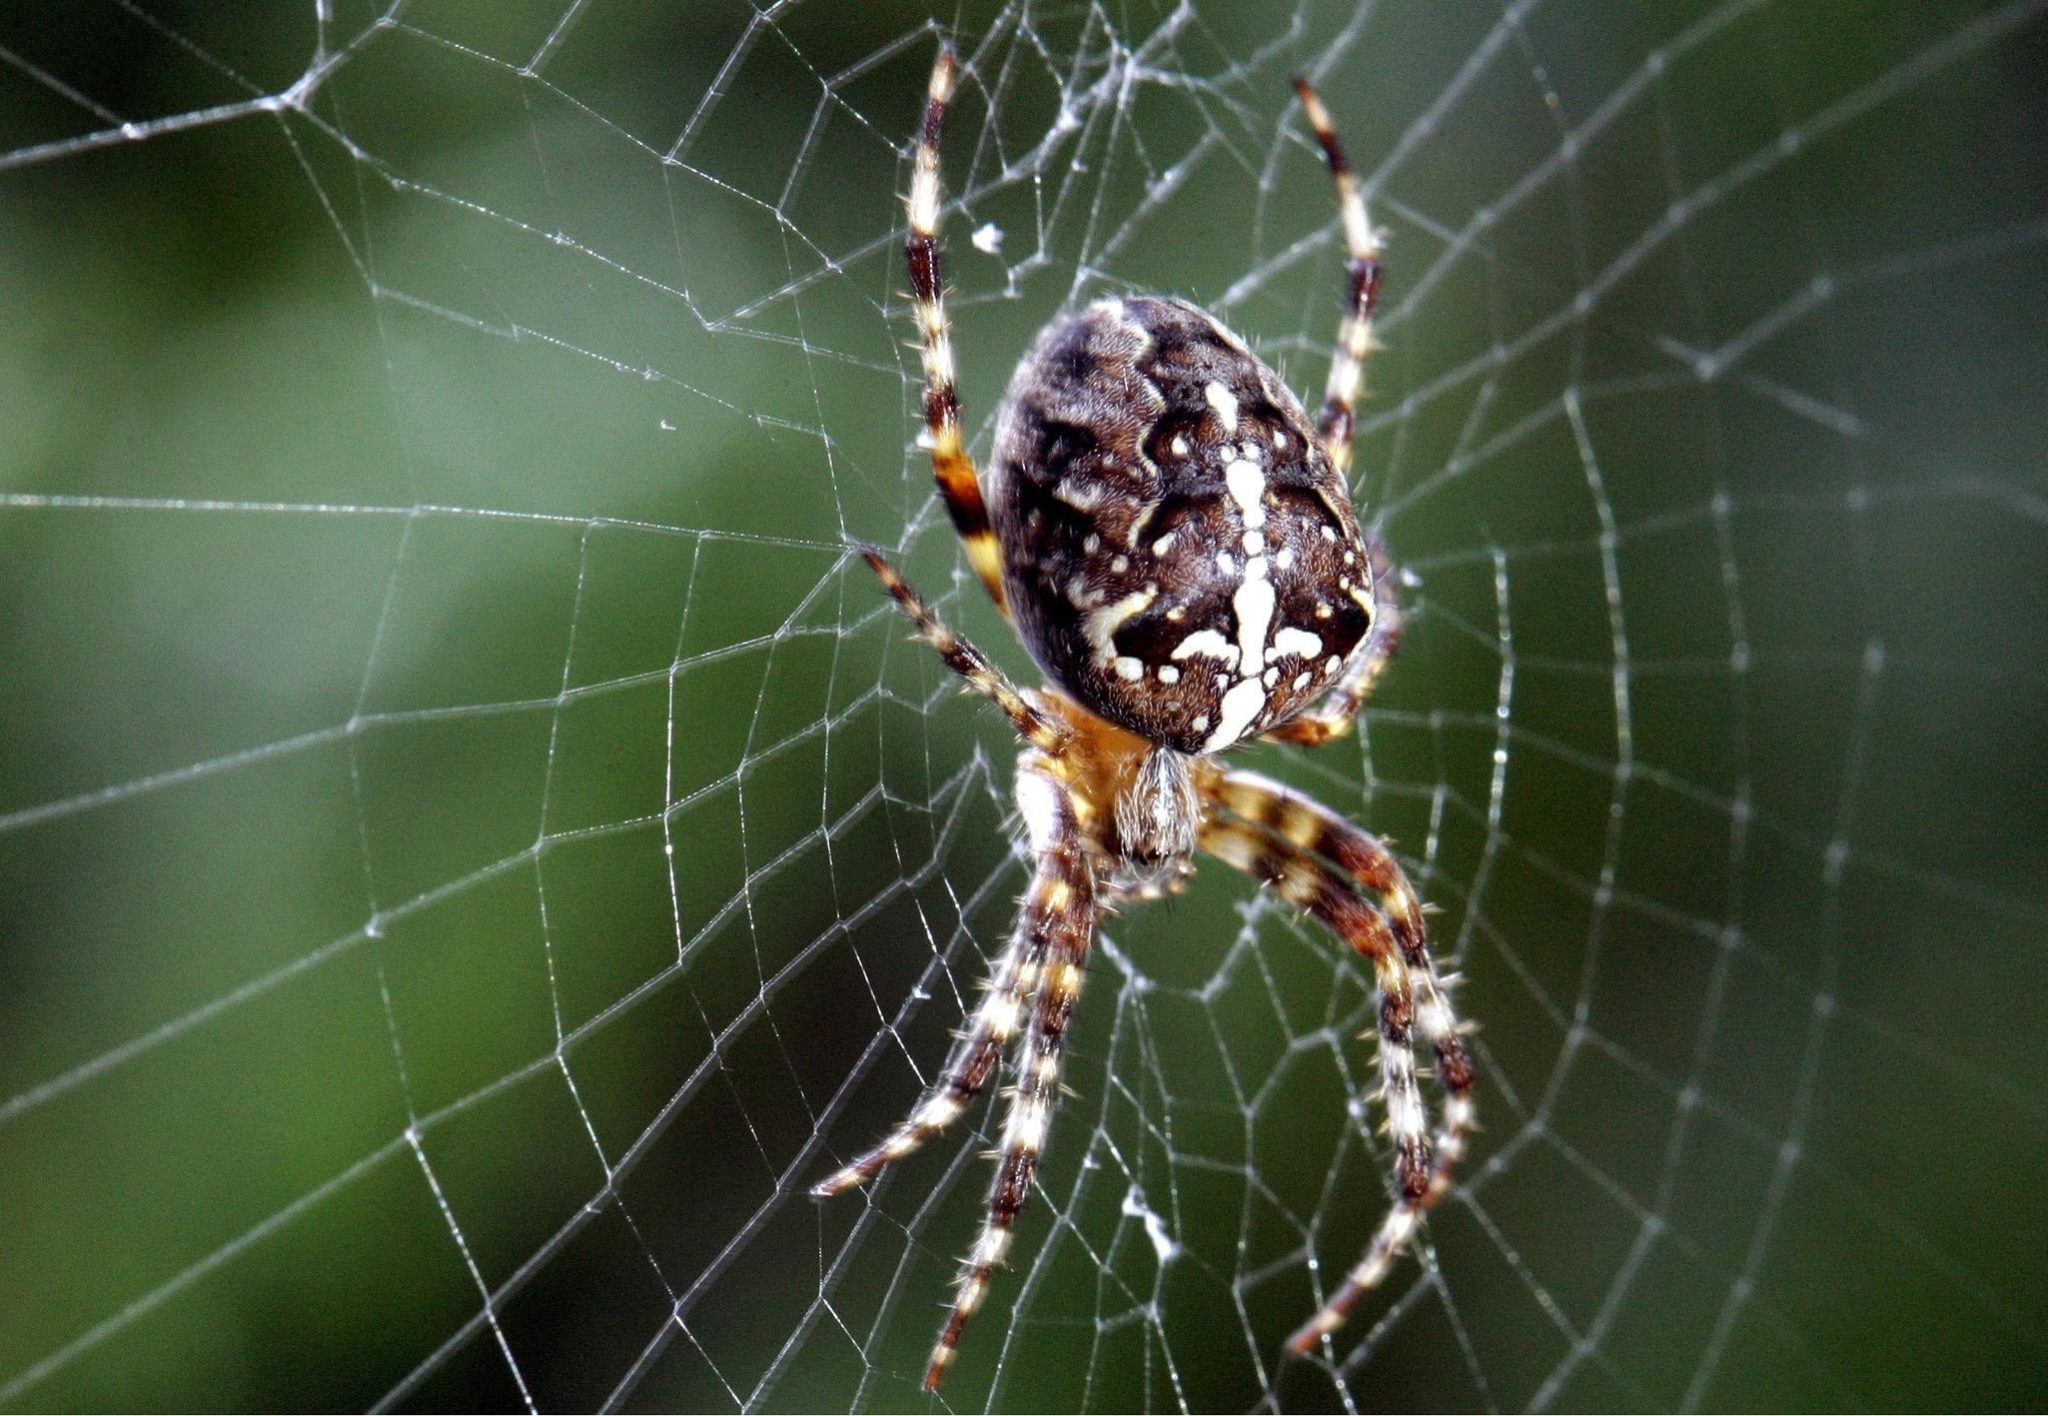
x,y
1176,546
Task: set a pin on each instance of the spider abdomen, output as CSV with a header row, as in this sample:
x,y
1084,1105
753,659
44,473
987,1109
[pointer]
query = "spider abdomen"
x,y
1180,554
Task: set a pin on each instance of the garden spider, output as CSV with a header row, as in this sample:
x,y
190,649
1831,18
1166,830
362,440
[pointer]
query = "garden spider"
x,y
1177,548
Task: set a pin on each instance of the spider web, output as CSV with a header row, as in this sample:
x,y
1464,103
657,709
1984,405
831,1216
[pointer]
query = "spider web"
x,y
474,848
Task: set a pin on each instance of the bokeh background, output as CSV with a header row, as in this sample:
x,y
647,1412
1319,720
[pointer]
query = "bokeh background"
x,y
473,849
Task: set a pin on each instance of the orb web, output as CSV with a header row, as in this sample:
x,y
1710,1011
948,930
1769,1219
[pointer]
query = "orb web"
x,y
476,847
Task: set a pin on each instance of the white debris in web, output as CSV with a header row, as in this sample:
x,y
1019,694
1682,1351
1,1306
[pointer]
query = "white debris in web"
x,y
1163,1246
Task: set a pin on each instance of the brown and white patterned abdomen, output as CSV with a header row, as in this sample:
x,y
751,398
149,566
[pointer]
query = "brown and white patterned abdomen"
x,y
1179,553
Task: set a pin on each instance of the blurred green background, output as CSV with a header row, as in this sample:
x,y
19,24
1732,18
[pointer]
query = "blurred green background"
x,y
472,849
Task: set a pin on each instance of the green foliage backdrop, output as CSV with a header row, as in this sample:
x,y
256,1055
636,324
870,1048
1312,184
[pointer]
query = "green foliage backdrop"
x,y
473,848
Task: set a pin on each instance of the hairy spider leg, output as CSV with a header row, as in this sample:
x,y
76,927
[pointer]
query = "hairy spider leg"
x,y
1320,862
1333,716
1362,289
1309,884
1008,992
1059,918
951,466
1032,723
1363,862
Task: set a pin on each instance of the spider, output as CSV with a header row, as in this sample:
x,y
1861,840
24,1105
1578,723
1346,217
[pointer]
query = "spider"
x,y
1176,546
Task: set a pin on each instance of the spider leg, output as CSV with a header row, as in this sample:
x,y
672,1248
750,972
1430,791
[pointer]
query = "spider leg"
x,y
1032,723
1332,718
1362,288
951,465
1317,860
975,1056
1058,918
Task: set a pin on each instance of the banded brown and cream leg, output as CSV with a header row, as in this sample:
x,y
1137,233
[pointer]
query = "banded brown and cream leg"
x,y
1059,918
1317,860
951,466
1332,718
1362,288
1016,972
1033,724
974,1060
